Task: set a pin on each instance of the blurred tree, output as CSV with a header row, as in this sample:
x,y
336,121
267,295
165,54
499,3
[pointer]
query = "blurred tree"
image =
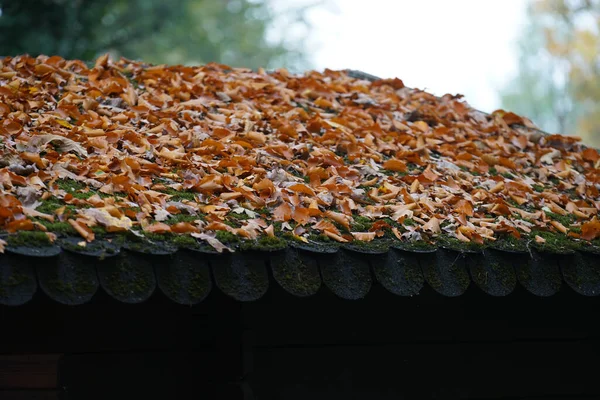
x,y
558,85
232,32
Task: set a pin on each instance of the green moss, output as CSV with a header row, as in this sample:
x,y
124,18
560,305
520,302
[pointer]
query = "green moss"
x,y
28,239
63,228
377,245
319,237
173,285
408,222
264,243
513,203
98,230
80,286
263,211
198,285
15,279
433,279
12,281
226,237
50,205
555,242
538,188
242,216
69,185
290,237
417,245
293,273
393,173
184,241
504,275
566,220
179,195
508,242
129,278
413,274
458,245
182,217
361,224
77,189
493,171
232,223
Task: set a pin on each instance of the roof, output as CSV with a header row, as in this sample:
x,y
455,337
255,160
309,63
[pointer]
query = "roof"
x,y
231,162
132,275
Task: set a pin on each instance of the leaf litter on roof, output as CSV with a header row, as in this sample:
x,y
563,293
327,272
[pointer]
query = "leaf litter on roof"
x,y
215,153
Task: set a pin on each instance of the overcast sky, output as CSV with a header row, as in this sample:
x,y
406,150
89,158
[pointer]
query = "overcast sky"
x,y
443,46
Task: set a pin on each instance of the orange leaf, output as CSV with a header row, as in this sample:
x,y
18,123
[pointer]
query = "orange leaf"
x,y
464,207
340,218
590,155
19,225
264,187
512,118
395,165
283,212
590,230
301,215
158,227
508,163
326,226
183,227
302,188
83,230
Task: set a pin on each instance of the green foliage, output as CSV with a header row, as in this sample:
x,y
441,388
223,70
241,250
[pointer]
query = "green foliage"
x,y
558,82
231,32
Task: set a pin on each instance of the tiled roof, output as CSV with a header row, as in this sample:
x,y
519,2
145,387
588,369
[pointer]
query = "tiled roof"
x,y
212,159
133,274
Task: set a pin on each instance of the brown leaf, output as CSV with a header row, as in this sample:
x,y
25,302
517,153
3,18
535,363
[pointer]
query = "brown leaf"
x,y
395,165
283,212
590,230
464,207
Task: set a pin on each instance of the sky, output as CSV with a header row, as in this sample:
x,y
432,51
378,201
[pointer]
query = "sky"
x,y
442,46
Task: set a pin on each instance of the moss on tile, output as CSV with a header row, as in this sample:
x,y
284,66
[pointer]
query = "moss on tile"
x,y
179,195
14,280
129,278
183,217
227,237
375,246
264,243
453,243
50,205
566,220
28,239
416,245
361,224
61,228
555,242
